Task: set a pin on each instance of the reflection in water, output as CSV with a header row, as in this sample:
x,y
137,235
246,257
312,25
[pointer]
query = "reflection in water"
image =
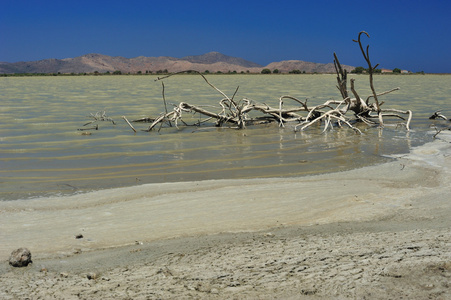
x,y
42,153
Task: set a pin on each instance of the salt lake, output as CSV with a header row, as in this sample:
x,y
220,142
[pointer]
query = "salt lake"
x,y
42,152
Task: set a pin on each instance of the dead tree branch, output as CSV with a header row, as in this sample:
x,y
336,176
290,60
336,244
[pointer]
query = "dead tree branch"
x,y
438,115
129,124
371,69
341,77
353,112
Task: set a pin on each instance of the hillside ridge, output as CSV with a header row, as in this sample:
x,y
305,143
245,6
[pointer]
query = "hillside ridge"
x,y
212,62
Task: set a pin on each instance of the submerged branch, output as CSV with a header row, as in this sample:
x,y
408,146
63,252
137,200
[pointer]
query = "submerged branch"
x,y
131,126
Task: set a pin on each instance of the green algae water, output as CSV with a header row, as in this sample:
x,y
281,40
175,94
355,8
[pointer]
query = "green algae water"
x,y
43,153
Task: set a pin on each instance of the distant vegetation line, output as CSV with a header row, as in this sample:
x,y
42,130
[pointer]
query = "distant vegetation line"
x,y
165,72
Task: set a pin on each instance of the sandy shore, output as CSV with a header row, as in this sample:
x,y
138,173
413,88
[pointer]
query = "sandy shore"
x,y
373,233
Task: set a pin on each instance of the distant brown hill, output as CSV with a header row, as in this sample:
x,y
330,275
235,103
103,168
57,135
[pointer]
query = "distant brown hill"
x,y
212,61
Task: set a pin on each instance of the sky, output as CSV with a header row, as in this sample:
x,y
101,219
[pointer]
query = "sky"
x,y
412,35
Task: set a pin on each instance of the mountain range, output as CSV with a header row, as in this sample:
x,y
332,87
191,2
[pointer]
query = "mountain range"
x,y
212,62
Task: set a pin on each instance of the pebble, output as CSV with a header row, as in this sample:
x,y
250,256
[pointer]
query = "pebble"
x,y
428,286
92,276
20,257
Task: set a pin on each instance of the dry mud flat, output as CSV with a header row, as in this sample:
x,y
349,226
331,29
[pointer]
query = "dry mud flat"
x,y
286,264
382,232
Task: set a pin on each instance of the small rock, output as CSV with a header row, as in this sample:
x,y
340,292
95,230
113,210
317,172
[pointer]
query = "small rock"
x,y
92,276
64,274
79,236
20,257
428,286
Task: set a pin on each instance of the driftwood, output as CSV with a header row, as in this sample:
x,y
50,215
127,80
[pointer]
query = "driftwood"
x,y
437,131
98,116
91,128
349,111
144,120
438,115
131,126
363,111
236,114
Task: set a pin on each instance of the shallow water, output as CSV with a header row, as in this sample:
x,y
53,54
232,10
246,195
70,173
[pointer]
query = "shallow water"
x,y
43,153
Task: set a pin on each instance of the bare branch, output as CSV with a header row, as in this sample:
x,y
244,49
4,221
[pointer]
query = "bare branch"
x,y
131,126
438,115
237,113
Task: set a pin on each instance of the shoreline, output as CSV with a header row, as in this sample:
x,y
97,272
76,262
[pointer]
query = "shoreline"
x,y
170,234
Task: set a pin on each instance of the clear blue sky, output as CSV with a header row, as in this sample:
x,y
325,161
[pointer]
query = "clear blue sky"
x,y
406,34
